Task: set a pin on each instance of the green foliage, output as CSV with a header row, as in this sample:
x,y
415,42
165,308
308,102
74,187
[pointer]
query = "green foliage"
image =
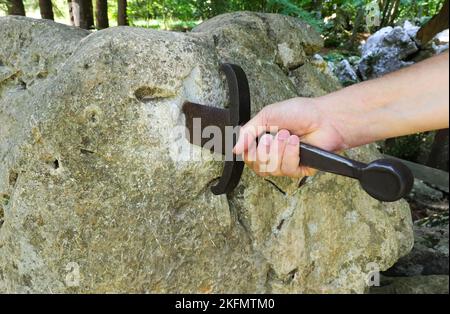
x,y
186,10
335,19
419,11
410,147
4,199
164,9
288,7
335,56
435,220
3,6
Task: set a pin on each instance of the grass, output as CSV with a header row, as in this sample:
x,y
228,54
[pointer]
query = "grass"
x,y
174,25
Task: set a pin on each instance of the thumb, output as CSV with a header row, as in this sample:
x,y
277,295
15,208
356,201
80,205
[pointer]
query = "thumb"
x,y
250,131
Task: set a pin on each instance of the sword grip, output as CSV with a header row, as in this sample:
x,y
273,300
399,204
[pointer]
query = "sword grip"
x,y
323,160
384,179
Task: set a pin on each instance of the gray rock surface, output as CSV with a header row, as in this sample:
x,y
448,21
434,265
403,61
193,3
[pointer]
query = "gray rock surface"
x,y
280,39
93,200
435,284
440,42
314,79
429,255
345,73
385,51
423,192
410,29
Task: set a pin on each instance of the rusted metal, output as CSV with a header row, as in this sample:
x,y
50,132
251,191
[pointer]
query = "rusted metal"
x,y
237,114
210,116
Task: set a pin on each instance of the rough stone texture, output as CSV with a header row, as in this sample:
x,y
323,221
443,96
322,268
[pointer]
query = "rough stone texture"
x,y
281,39
435,284
88,181
312,79
388,50
385,51
423,192
410,29
440,41
430,253
345,73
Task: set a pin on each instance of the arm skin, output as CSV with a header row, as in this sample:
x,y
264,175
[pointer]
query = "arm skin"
x,y
413,99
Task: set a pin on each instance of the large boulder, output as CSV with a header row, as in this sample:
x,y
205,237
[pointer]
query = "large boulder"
x,y
93,199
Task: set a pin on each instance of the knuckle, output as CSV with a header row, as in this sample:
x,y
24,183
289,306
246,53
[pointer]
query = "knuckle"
x,y
288,170
291,151
262,174
264,115
249,163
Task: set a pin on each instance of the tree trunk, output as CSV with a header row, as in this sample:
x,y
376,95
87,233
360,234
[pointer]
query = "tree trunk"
x,y
89,11
101,14
46,8
77,13
394,12
386,13
15,7
438,23
317,6
71,16
122,12
263,5
359,20
81,13
218,7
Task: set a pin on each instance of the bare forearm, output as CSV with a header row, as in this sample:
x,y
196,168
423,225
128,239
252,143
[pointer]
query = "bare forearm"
x,y
411,100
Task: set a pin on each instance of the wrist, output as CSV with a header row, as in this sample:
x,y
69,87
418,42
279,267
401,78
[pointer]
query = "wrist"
x,y
353,119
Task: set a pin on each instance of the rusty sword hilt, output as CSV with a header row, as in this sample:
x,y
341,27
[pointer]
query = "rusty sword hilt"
x,y
238,113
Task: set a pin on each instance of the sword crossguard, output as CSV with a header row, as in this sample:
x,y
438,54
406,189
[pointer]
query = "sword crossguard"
x,y
239,114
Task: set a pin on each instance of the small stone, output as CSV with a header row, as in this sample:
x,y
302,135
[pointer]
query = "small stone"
x,y
345,73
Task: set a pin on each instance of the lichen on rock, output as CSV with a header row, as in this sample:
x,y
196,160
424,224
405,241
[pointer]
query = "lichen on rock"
x,y
93,202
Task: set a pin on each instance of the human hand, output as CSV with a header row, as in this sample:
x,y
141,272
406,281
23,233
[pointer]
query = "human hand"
x,y
413,99
293,120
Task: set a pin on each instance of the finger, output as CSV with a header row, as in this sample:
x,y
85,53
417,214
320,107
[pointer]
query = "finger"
x,y
249,156
262,154
306,171
276,152
250,131
290,163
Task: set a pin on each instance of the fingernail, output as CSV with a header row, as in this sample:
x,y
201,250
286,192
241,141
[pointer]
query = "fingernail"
x,y
283,135
293,140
